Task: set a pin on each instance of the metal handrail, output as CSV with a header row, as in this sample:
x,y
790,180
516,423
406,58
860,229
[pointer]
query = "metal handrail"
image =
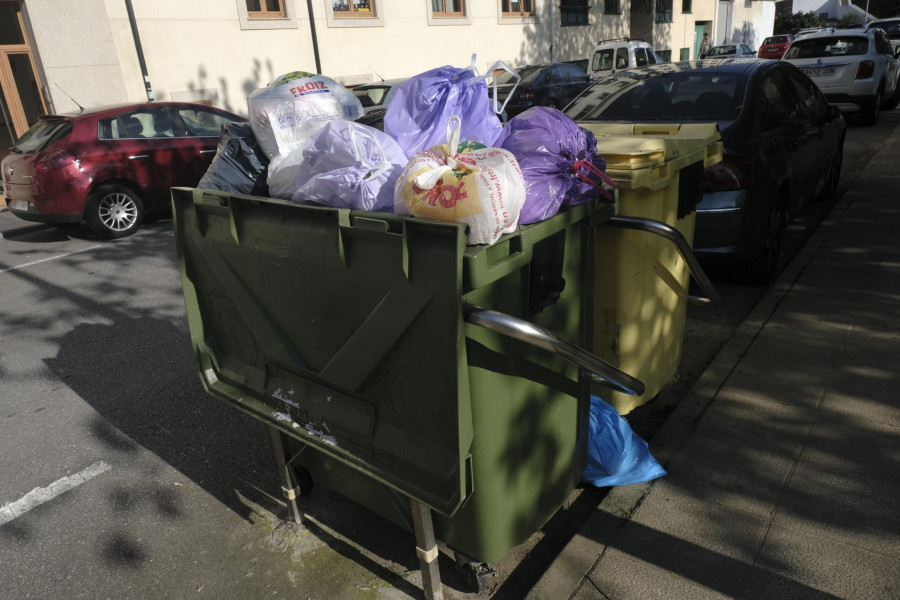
x,y
687,253
532,334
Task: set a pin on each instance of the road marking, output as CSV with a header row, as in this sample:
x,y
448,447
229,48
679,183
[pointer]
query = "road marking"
x,y
37,496
37,262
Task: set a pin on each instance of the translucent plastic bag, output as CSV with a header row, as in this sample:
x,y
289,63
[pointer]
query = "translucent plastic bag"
x,y
286,112
418,113
616,455
482,187
559,162
349,165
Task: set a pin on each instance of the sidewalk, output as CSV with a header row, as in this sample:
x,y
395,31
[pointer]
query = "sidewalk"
x,y
783,460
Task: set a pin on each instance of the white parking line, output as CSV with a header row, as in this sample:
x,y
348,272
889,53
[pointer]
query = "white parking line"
x,y
37,262
38,496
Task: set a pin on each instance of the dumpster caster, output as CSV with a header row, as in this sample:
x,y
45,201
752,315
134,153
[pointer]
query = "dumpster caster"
x,y
474,573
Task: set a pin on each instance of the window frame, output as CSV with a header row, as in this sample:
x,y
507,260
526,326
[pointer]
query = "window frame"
x,y
513,14
289,21
376,19
440,18
353,13
663,11
446,14
510,18
580,9
612,7
265,13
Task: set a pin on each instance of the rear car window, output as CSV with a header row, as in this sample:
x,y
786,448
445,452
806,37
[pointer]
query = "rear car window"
x,y
830,46
41,135
778,39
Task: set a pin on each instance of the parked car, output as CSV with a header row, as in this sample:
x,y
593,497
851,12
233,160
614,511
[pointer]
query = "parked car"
x,y
551,85
612,56
855,68
110,166
892,28
783,146
375,96
730,51
774,46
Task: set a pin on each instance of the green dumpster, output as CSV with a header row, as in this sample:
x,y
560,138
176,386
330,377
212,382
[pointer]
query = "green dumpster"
x,y
375,345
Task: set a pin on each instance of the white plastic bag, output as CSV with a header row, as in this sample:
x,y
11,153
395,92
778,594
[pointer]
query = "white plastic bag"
x,y
286,112
482,187
350,165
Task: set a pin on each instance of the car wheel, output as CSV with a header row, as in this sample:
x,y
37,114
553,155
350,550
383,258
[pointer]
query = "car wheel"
x,y
870,112
829,192
114,211
762,267
892,102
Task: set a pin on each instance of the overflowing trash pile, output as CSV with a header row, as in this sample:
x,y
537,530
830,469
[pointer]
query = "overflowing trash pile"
x,y
444,153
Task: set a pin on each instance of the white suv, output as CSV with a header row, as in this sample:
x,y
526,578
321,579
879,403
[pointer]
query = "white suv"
x,y
856,69
620,54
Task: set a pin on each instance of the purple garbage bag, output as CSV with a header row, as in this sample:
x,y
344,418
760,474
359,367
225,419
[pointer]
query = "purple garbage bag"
x,y
420,109
349,165
559,162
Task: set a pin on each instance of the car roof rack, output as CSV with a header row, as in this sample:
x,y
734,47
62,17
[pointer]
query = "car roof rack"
x,y
624,39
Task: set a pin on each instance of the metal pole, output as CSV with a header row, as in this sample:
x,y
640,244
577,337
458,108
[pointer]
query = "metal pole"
x,y
140,51
315,41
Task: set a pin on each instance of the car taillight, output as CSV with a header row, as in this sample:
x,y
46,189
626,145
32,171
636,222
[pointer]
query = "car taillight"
x,y
733,173
57,159
865,69
526,93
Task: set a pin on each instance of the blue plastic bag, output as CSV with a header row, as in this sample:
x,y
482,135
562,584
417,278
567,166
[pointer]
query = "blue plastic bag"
x,y
559,162
616,455
418,114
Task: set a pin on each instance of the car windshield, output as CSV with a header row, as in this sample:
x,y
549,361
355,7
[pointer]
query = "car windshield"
x,y
722,51
41,135
528,74
371,96
828,46
677,97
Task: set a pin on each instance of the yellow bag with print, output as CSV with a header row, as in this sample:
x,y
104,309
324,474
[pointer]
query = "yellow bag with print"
x,y
482,187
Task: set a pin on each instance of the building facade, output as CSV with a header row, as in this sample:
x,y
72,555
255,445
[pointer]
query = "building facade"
x,y
57,55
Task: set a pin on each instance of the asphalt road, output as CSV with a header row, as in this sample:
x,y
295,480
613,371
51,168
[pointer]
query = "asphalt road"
x,y
120,478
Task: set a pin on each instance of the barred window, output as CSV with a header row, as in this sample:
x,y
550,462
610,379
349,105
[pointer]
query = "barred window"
x,y
663,11
612,7
573,12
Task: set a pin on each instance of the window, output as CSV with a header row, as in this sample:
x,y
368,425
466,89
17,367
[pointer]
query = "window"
x,y
353,8
517,8
267,14
612,7
640,57
663,11
448,8
687,6
683,54
573,12
265,9
201,122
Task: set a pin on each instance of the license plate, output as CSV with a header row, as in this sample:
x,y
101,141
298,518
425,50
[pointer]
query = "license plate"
x,y
819,71
18,204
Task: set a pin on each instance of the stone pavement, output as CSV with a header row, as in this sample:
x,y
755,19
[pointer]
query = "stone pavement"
x,y
784,459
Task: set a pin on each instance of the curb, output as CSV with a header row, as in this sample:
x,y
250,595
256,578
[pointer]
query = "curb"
x,y
571,569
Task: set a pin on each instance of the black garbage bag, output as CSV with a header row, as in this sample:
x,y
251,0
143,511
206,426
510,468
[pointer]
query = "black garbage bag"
x,y
240,165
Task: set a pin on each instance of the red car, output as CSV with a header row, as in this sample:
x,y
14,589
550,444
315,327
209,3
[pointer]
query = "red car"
x,y
110,165
774,46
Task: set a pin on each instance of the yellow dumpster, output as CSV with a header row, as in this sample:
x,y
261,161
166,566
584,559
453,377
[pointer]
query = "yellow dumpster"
x,y
641,280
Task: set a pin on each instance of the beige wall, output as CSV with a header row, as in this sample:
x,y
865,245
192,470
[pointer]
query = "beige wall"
x,y
74,49
209,50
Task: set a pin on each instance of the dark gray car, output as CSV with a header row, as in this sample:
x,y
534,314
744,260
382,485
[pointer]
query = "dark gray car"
x,y
783,146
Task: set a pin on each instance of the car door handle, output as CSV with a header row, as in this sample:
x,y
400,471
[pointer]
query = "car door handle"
x,y
135,156
208,151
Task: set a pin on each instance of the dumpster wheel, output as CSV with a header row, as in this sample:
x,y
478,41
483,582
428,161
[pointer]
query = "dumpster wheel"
x,y
474,573
304,480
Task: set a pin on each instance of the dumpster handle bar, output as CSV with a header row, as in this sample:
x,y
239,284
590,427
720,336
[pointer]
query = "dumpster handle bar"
x,y
674,236
528,332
